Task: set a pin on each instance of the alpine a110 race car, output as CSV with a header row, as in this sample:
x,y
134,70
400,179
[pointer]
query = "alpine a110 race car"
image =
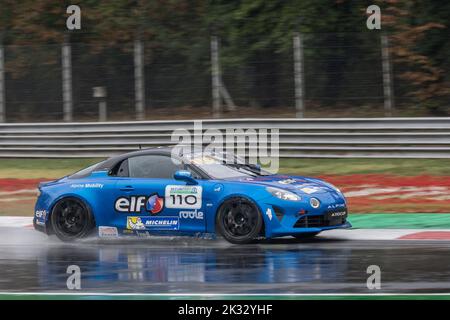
x,y
153,192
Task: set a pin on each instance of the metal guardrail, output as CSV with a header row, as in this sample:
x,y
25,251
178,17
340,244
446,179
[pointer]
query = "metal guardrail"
x,y
330,138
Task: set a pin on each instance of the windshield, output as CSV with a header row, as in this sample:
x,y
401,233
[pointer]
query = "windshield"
x,y
224,165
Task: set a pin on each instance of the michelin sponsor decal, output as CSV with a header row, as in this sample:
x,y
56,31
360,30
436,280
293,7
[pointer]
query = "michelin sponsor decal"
x,y
153,223
183,197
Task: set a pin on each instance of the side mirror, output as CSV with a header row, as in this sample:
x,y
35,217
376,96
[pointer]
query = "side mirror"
x,y
184,175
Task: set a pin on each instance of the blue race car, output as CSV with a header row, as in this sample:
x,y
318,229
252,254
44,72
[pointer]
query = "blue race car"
x,y
153,192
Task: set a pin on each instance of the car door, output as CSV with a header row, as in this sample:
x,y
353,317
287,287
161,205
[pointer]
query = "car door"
x,y
149,199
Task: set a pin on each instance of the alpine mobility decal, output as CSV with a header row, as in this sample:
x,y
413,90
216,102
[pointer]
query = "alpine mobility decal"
x,y
183,197
134,204
153,223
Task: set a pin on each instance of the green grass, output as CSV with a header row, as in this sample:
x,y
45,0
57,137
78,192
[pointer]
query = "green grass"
x,y
400,221
41,168
53,168
406,167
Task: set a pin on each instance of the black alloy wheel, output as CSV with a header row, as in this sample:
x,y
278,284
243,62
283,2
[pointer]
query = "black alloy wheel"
x,y
239,220
71,219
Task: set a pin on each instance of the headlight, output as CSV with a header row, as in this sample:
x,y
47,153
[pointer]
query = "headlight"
x,y
283,194
315,203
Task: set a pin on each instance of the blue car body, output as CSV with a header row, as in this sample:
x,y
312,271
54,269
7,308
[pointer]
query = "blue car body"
x,y
127,205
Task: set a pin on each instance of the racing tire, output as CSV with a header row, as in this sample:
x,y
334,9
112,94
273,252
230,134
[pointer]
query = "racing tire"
x,y
239,221
305,236
71,219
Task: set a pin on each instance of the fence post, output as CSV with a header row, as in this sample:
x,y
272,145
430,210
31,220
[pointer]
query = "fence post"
x,y
139,88
215,73
387,77
2,84
66,60
298,75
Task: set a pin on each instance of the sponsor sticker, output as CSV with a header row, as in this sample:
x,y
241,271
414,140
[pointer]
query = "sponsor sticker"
x,y
107,232
310,190
287,181
194,214
338,214
135,204
135,223
183,197
41,214
336,205
153,223
269,213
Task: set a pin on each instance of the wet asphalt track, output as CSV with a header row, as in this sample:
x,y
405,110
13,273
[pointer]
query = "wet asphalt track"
x,y
32,262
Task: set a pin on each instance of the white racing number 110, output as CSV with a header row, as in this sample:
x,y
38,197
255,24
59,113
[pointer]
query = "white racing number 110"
x,y
183,197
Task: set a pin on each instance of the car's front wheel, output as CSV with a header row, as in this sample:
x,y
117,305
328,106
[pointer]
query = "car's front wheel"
x,y
71,219
239,220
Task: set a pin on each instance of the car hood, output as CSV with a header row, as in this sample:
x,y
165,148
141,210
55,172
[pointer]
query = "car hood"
x,y
297,184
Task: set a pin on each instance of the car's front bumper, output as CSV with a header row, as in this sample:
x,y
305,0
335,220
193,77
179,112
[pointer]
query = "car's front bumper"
x,y
286,231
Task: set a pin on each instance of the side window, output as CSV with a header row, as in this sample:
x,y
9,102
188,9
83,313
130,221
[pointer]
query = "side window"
x,y
153,166
120,170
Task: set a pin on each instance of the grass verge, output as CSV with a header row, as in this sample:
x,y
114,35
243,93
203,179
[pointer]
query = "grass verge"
x,y
54,168
400,221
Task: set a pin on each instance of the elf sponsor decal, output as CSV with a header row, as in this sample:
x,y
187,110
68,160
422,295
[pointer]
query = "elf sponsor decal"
x,y
153,223
183,197
41,214
194,214
153,204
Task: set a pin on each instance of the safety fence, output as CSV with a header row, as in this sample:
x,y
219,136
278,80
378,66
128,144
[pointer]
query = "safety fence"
x,y
299,138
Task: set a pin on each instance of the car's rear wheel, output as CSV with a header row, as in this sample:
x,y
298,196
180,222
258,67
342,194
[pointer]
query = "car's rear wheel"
x,y
71,219
239,220
304,236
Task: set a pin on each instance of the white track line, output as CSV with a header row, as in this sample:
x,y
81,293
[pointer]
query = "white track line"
x,y
156,295
15,222
338,234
